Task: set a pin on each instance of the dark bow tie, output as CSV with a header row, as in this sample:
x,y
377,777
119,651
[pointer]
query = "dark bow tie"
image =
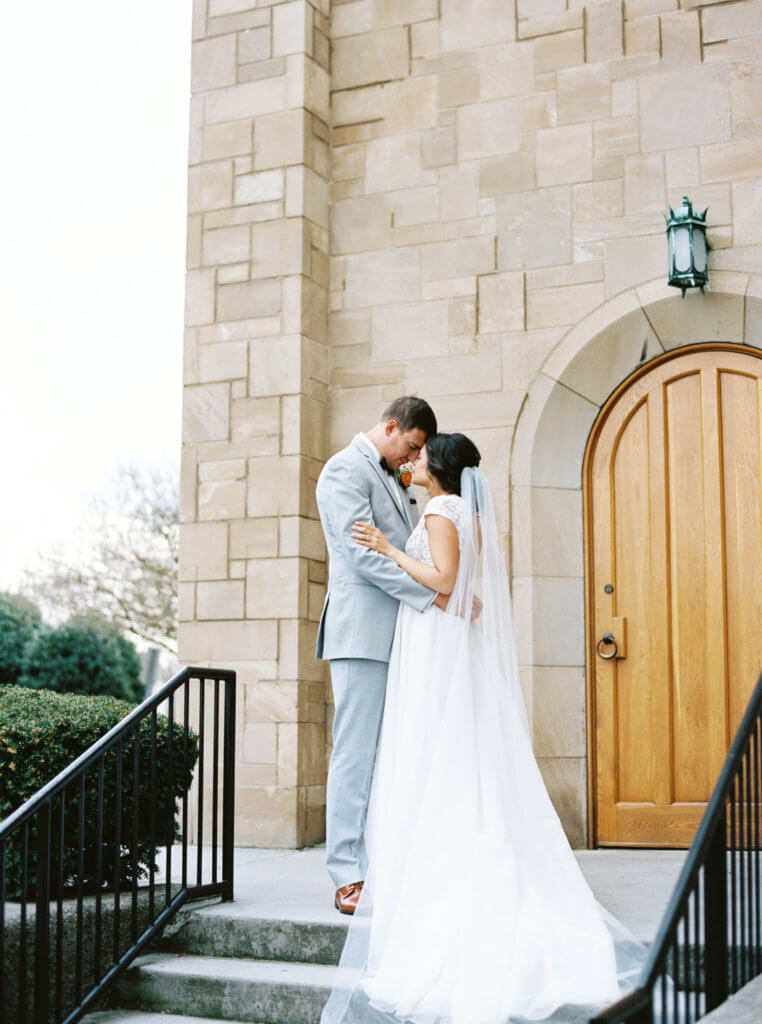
x,y
386,467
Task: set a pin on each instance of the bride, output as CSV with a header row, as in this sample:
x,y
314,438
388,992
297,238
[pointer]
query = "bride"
x,y
474,910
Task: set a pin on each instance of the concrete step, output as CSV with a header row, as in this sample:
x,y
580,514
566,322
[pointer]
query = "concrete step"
x,y
265,991
140,1017
232,931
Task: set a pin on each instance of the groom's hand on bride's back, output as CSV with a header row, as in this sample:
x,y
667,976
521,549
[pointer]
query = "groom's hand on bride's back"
x,y
442,600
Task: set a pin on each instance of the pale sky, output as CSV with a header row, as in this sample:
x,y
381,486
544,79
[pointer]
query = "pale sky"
x,y
92,251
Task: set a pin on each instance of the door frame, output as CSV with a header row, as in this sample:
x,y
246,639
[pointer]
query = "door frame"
x,y
605,409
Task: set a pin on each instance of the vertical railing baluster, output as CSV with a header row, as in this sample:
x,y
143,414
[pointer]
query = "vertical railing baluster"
x,y
23,983
747,865
741,975
59,905
99,869
716,918
200,840
135,830
80,894
733,894
117,846
758,916
186,728
228,789
152,824
215,777
42,917
170,796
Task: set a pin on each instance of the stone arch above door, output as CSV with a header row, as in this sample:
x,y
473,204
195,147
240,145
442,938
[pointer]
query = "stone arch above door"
x,y
548,450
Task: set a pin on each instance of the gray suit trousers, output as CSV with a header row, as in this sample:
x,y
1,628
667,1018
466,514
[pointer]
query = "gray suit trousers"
x,y
359,689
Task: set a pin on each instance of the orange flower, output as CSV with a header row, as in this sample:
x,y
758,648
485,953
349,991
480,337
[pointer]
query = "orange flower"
x,y
406,477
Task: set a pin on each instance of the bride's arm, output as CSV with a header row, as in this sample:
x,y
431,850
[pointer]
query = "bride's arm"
x,y
443,543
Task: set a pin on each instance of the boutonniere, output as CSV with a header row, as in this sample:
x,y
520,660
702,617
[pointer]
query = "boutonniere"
x,y
405,474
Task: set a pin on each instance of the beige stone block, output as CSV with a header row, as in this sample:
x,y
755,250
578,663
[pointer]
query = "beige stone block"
x,y
458,258
225,245
370,57
730,21
524,352
603,30
457,88
549,24
505,70
632,260
254,45
277,248
413,206
378,278
490,128
272,701
716,197
213,63
746,98
393,163
292,28
616,137
683,122
624,98
279,140
644,183
186,602
680,38
203,551
219,600
598,199
218,8
747,211
534,229
211,642
564,155
466,26
250,99
210,186
348,162
226,140
222,469
459,191
259,743
731,161
253,417
206,411
222,361
567,49
275,366
538,111
222,499
584,94
272,588
557,621
550,307
274,486
302,537
501,302
302,426
261,187
268,816
641,36
249,299
360,224
565,274
508,174
682,168
418,328
425,39
566,781
454,375
199,297
547,528
254,538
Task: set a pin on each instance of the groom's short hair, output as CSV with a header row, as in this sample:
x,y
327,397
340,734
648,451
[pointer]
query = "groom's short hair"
x,y
411,412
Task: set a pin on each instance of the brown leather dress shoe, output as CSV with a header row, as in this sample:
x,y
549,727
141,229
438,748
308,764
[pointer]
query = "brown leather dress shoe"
x,y
347,897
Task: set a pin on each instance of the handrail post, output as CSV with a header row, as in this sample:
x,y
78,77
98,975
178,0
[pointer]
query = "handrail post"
x,y
228,788
716,918
42,918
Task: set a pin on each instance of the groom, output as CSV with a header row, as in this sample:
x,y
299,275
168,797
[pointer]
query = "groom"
x,y
359,616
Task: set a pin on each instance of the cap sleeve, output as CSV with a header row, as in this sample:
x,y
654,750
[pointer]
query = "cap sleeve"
x,y
447,505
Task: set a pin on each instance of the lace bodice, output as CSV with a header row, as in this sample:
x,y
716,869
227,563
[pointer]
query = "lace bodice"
x,y
449,505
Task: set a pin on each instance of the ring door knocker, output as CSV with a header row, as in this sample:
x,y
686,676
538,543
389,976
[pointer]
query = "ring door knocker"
x,y
607,640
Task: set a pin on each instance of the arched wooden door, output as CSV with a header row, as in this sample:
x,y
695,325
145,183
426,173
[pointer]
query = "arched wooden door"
x,y
673,522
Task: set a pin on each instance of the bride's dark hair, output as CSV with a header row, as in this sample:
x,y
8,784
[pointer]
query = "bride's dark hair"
x,y
447,455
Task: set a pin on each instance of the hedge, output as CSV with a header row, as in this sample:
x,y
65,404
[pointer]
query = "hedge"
x,y
42,732
20,622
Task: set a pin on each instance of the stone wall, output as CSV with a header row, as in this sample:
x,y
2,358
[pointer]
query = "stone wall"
x,y
498,175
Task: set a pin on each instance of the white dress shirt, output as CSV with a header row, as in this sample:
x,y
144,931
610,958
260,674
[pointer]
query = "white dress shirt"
x,y
394,486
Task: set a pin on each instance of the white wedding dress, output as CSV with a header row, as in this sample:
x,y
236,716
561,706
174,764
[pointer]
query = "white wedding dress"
x,y
474,909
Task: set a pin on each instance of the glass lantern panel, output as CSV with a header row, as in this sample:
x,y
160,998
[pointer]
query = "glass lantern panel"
x,y
699,251
682,242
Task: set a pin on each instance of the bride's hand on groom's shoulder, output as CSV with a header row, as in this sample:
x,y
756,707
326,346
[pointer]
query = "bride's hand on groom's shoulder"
x,y
369,536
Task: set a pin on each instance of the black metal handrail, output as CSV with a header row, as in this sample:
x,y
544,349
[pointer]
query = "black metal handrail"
x,y
35,835
709,942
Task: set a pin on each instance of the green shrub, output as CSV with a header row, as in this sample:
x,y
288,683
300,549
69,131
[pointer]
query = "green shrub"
x,y
82,656
19,623
43,732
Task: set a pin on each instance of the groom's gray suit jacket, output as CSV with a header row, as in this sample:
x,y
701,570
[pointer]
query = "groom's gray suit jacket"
x,y
364,588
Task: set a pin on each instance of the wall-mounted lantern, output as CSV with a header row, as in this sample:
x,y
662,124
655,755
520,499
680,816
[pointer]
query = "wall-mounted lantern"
x,y
686,239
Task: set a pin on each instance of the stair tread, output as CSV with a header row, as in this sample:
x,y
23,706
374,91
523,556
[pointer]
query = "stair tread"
x,y
146,1017
232,969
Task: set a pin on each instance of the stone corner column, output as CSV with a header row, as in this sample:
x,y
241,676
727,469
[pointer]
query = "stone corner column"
x,y
252,559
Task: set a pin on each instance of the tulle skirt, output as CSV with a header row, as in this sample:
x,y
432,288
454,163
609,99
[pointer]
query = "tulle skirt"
x,y
474,909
